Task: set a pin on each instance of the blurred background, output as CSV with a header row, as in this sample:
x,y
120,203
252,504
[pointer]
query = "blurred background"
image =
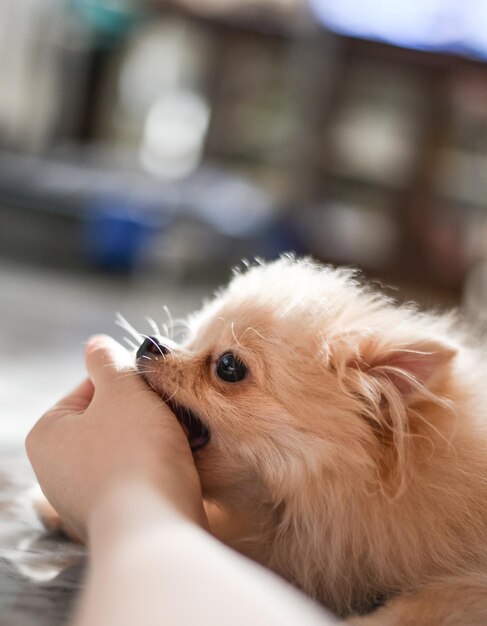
x,y
148,146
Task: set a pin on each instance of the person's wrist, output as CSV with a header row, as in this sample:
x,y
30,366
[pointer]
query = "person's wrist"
x,y
178,485
134,500
126,509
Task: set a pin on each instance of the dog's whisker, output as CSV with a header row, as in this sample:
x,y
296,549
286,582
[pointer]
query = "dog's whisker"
x,y
170,320
153,326
232,327
130,343
181,321
123,323
256,332
181,334
144,372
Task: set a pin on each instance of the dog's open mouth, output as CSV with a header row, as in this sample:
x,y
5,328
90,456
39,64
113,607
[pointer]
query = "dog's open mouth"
x,y
197,433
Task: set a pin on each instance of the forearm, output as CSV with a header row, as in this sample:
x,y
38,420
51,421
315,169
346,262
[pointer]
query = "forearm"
x,y
150,565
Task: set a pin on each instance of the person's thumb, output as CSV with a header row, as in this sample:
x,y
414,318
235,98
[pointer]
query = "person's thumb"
x,y
105,359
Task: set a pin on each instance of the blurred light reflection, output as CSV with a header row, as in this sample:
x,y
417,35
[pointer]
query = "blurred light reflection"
x,y
174,133
436,25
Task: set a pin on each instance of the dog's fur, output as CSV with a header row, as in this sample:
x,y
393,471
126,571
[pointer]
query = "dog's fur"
x,y
352,459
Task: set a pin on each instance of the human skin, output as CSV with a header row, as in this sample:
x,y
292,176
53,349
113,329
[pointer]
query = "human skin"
x,y
116,465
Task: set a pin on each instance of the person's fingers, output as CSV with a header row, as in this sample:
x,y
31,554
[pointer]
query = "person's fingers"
x,y
105,358
75,401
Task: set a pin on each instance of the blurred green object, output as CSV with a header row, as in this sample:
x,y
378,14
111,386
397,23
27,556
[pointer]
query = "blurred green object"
x,y
110,17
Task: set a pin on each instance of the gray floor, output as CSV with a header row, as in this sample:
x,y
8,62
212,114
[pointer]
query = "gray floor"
x,y
45,319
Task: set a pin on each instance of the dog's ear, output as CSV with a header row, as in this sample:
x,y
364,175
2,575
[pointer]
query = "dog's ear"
x,y
408,366
390,375
408,363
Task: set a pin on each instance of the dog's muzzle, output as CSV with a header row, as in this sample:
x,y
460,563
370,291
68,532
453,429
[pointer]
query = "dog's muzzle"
x,y
196,431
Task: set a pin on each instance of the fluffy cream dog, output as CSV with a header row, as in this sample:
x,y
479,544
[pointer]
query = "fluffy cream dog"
x,y
343,438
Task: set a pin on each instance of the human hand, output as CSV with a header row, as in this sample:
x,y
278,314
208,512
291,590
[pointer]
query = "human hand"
x,y
112,429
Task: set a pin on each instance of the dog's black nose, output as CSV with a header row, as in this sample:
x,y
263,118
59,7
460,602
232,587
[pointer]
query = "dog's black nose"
x,y
151,345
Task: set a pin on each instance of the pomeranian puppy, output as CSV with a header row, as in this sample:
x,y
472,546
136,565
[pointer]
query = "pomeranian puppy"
x,y
340,440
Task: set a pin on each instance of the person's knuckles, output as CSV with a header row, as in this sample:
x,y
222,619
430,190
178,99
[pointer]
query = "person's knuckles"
x,y
30,442
37,437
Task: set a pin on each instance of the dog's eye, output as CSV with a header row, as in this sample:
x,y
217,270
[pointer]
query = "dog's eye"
x,y
230,369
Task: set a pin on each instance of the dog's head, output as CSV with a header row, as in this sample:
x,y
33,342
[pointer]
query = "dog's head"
x,y
295,375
